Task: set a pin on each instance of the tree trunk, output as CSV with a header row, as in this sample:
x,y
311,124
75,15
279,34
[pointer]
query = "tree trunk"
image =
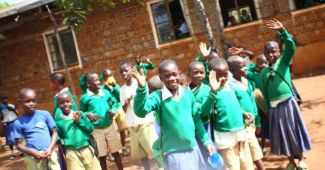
x,y
220,27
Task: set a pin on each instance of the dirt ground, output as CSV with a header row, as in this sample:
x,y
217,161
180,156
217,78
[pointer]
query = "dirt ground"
x,y
312,90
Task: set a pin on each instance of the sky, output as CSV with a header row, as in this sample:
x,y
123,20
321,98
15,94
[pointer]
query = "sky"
x,y
10,1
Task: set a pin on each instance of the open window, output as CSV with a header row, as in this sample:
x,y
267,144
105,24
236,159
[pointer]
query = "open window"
x,y
235,12
300,4
69,46
167,21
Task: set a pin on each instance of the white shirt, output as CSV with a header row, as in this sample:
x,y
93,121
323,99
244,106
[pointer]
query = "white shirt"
x,y
9,115
132,119
224,140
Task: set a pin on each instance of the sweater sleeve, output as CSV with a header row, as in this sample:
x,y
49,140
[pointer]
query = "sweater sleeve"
x,y
290,48
149,65
207,105
83,103
115,103
84,123
258,121
144,103
200,132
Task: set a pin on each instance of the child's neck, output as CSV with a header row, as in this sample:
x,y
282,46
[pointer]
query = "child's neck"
x,y
94,91
129,82
174,91
60,88
66,113
192,85
238,78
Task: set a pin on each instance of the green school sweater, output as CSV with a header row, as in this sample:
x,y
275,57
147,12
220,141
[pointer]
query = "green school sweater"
x,y
253,76
247,103
75,134
145,67
58,111
276,88
179,119
206,67
201,94
229,116
115,91
99,105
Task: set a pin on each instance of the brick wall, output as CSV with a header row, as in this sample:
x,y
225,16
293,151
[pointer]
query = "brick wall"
x,y
110,36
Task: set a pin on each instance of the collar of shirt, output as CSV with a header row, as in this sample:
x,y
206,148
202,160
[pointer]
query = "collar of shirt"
x,y
241,85
165,93
100,93
69,117
64,89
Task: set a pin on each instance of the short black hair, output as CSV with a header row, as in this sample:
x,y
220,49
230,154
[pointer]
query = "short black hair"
x,y
216,63
233,60
192,64
165,63
62,94
154,83
89,75
107,70
23,92
270,44
125,63
57,77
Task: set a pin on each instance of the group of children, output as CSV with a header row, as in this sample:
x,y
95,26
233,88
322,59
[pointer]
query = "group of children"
x,y
180,124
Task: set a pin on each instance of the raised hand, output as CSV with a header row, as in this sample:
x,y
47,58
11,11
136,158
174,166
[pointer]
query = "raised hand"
x,y
148,60
214,82
204,50
275,25
235,51
140,77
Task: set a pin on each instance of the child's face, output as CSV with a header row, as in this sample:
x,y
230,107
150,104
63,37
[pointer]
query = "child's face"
x,y
272,53
65,103
54,85
239,69
28,101
222,74
261,63
93,83
197,74
170,76
138,60
107,75
126,73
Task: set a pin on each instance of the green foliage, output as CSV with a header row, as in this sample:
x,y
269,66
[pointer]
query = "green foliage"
x,y
76,11
4,4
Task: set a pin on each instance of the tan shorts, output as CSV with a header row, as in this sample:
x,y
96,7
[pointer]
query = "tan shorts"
x,y
253,144
42,164
83,158
238,157
142,139
107,139
259,100
120,120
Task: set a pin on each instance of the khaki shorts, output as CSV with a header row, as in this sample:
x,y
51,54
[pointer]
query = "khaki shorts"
x,y
259,100
253,144
120,120
42,164
83,158
107,139
237,157
142,139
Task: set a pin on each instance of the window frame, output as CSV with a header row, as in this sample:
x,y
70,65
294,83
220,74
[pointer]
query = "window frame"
x,y
48,51
155,32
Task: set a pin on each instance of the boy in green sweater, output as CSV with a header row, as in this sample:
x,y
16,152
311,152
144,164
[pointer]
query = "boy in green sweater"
x,y
57,82
230,136
178,115
74,127
148,65
244,92
95,103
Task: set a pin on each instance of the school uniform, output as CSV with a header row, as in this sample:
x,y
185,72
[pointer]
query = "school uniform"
x,y
142,131
145,67
288,133
244,93
230,136
58,111
34,129
8,115
75,136
104,133
179,119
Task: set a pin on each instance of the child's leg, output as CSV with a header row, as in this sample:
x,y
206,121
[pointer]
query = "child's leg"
x,y
255,149
246,161
53,161
34,164
231,157
146,163
118,160
114,145
122,126
74,159
89,161
99,136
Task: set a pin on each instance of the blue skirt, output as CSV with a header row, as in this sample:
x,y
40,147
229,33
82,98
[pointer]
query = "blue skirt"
x,y
9,132
288,133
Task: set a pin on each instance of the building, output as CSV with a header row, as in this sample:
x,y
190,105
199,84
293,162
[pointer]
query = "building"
x,y
30,51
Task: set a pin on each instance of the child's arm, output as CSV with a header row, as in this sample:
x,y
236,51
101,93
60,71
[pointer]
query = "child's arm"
x,y
238,51
84,123
34,153
149,65
83,107
290,46
143,103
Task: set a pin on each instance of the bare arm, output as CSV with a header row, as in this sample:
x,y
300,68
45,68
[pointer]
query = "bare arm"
x,y
28,151
54,136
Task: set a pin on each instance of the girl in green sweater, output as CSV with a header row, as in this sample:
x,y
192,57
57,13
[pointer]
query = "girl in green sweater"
x,y
74,128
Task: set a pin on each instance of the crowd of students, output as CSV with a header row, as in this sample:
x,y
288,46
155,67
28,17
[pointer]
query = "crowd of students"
x,y
179,124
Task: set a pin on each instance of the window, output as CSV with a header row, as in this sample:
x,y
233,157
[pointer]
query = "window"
x,y
300,4
236,12
70,49
167,21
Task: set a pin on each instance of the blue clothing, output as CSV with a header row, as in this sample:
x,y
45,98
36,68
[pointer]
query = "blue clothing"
x,y
35,129
9,132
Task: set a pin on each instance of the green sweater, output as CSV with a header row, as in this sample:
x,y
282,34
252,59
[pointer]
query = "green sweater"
x,y
99,105
247,102
276,88
145,67
253,76
201,94
229,116
58,111
75,135
179,118
115,91
206,67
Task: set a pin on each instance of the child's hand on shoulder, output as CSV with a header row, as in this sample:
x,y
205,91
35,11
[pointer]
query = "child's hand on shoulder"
x,y
205,50
140,77
275,25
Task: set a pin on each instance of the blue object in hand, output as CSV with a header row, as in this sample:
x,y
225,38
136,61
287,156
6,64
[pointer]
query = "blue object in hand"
x,y
216,162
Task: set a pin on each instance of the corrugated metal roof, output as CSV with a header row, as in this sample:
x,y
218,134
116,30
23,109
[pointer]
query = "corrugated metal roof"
x,y
22,6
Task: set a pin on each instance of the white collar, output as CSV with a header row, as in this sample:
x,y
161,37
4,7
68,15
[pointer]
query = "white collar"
x,y
165,93
63,90
100,93
241,85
